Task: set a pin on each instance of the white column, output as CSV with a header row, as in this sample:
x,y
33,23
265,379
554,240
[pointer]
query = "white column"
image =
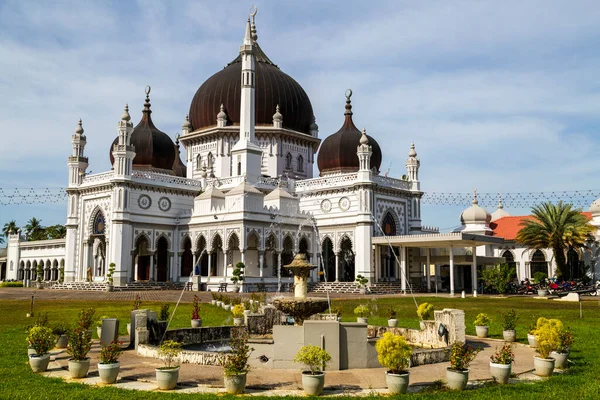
x,y
151,277
437,277
242,257
135,271
337,267
85,263
403,268
194,261
522,270
474,268
225,264
427,272
261,263
451,271
209,264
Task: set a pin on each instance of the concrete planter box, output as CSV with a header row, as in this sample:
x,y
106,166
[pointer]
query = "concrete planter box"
x,y
313,384
482,331
500,372
397,383
543,366
109,372
166,378
39,363
457,380
79,368
542,292
235,384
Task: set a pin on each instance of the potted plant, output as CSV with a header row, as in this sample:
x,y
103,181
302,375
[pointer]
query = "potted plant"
x,y
482,324
109,365
99,326
196,320
238,314
393,353
236,365
541,279
315,359
392,321
337,311
60,330
168,374
215,298
137,304
226,303
531,333
425,313
362,314
547,338
509,323
41,339
109,277
361,283
80,343
501,363
561,353
457,374
238,276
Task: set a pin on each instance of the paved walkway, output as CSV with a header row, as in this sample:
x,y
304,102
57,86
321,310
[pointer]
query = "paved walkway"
x,y
138,373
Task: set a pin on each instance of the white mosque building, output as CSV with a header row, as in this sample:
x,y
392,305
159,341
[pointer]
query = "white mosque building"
x,y
246,193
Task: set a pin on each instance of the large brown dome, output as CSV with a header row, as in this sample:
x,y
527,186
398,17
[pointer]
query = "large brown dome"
x,y
338,151
154,149
273,87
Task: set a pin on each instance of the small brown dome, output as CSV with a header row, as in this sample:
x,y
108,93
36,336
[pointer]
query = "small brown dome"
x,y
154,149
338,151
273,87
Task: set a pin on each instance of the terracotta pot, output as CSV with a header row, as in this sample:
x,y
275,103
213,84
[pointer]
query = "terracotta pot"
x,y
482,331
543,366
166,378
109,372
235,384
457,380
397,383
39,363
500,372
79,368
196,323
313,384
561,359
509,336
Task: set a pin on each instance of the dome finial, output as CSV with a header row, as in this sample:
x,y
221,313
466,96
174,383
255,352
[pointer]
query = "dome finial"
x,y
253,11
125,116
348,102
364,140
475,197
147,102
500,205
187,124
412,152
79,129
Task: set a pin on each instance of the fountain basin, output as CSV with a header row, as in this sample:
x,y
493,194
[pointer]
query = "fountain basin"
x,y
300,308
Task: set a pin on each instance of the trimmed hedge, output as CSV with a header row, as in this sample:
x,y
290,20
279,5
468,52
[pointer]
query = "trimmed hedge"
x,y
11,284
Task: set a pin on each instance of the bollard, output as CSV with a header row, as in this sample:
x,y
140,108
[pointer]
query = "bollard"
x,y
462,295
474,293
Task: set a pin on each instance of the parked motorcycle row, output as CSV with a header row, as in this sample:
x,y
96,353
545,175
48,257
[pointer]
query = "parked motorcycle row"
x,y
555,287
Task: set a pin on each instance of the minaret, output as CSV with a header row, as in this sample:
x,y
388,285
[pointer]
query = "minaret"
x,y
123,152
246,155
364,223
364,152
412,167
77,162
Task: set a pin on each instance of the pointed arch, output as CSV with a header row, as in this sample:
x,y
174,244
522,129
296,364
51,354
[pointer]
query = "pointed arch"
x,y
97,222
390,223
233,241
185,236
328,259
271,242
300,163
253,241
162,258
164,236
343,238
346,259
187,259
288,161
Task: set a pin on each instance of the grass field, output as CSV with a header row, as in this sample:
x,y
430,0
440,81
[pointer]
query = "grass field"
x,y
581,381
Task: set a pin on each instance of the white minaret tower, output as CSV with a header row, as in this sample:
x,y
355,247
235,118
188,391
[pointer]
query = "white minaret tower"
x,y
123,152
364,223
412,167
77,165
246,155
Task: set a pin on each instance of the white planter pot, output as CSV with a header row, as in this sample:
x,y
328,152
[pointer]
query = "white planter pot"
x,y
227,307
481,331
39,363
109,372
313,384
509,336
219,303
236,289
235,384
129,329
196,323
166,379
560,359
397,383
62,342
79,368
542,292
543,366
500,372
531,340
238,321
99,331
213,302
30,350
362,320
392,323
457,380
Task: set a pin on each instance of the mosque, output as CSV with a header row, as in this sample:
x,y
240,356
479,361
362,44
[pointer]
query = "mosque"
x,y
237,186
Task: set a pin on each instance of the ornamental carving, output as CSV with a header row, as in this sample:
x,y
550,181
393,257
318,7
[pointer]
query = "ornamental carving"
x,y
164,204
144,201
344,204
326,205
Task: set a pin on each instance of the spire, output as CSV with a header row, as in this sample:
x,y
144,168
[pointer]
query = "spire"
x,y
277,118
412,152
79,129
147,111
314,128
221,117
187,124
364,140
248,35
253,12
474,202
348,111
500,205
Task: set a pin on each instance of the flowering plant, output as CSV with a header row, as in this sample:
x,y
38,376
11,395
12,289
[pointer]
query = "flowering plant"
x,y
482,319
393,352
41,339
425,311
80,343
461,356
196,308
109,354
238,311
565,340
137,302
237,361
505,355
392,313
361,311
85,319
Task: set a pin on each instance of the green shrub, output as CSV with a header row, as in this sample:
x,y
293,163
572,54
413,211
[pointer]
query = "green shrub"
x,y
547,335
425,311
109,354
80,343
482,319
196,308
59,329
85,319
461,355
238,273
361,281
509,320
111,271
237,361
41,339
238,311
362,311
164,313
11,284
313,357
99,323
393,352
168,351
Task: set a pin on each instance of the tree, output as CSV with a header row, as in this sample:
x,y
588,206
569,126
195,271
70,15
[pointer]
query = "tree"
x,y
1,240
498,277
56,231
559,227
35,230
10,227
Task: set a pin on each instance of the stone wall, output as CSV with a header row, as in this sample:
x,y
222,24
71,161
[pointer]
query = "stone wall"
x,y
199,335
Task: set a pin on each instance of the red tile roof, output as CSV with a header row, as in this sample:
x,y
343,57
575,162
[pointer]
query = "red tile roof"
x,y
508,227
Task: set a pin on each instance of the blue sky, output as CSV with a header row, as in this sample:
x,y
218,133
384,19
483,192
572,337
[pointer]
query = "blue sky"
x,y
498,96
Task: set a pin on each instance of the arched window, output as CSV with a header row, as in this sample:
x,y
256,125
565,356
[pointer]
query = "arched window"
x,y
389,225
288,161
198,161
300,163
99,224
538,263
510,260
210,160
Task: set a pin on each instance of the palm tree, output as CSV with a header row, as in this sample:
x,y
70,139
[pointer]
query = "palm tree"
x,y
10,227
559,227
56,231
35,230
1,240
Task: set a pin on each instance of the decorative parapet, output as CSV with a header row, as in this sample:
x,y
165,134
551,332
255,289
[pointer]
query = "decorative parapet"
x,y
104,176
430,229
326,182
391,182
163,178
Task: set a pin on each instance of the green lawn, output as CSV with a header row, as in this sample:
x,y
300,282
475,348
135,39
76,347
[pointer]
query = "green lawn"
x,y
582,381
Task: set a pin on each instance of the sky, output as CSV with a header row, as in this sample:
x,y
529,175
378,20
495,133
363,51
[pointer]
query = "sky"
x,y
501,96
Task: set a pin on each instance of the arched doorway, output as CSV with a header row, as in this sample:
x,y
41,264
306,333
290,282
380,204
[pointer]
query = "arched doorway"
x,y
389,225
97,240
142,259
346,257
510,261
271,254
251,254
202,254
538,263
574,266
328,261
187,259
233,252
162,259
217,255
287,255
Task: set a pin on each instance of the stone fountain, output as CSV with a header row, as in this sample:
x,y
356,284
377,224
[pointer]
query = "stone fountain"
x,y
300,307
